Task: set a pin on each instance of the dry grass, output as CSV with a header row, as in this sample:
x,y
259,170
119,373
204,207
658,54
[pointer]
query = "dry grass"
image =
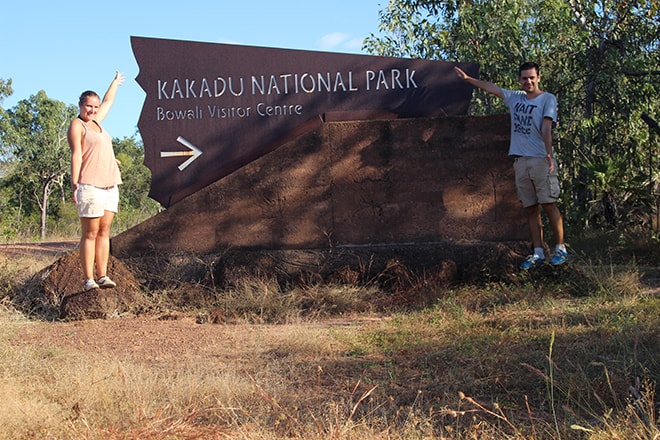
x,y
554,357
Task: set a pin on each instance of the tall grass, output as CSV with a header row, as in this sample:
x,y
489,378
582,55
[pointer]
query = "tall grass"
x,y
564,354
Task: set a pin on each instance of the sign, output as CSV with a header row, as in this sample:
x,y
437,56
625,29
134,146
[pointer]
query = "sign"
x,y
212,108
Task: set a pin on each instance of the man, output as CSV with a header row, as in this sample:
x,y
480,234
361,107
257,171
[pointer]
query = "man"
x,y
533,112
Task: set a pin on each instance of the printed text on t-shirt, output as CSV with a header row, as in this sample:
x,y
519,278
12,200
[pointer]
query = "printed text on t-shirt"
x,y
522,118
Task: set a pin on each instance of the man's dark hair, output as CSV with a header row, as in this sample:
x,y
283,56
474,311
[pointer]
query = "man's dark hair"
x,y
528,65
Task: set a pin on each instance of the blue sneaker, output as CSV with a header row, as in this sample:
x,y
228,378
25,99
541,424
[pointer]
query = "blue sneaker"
x,y
560,257
532,261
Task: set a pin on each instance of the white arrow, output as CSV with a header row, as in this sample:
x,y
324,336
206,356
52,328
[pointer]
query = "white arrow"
x,y
194,153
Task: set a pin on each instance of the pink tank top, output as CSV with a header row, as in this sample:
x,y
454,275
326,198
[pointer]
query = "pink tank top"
x,y
99,166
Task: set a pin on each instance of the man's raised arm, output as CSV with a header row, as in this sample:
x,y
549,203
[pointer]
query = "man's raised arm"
x,y
484,85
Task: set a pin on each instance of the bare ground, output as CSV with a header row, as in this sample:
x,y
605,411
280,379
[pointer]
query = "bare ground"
x,y
160,342
41,249
152,339
149,338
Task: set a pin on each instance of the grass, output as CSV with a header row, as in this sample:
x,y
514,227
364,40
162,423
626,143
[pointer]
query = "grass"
x,y
569,354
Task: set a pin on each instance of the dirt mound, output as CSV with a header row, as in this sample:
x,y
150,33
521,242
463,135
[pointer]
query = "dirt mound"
x,y
407,274
60,291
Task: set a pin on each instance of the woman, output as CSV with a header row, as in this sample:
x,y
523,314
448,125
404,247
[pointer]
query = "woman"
x,y
94,179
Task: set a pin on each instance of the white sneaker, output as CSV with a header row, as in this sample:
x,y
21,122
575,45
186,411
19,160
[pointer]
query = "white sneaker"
x,y
90,284
105,282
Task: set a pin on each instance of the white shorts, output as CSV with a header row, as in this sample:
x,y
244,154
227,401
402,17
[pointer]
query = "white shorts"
x,y
93,201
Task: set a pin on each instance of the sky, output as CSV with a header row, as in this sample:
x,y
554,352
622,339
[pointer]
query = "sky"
x,y
67,48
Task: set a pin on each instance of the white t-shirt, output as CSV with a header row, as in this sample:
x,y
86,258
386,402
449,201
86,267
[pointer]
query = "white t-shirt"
x,y
526,120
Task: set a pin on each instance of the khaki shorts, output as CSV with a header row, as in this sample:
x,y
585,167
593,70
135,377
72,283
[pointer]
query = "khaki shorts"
x,y
533,182
93,201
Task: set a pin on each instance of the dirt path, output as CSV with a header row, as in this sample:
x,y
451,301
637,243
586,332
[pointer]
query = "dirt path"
x,y
41,249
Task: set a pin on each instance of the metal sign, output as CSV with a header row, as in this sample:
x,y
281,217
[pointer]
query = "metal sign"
x,y
212,108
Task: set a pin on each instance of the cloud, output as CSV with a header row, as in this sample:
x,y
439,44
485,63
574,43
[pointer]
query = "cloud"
x,y
355,43
334,39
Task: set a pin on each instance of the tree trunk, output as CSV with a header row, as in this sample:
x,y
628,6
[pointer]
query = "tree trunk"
x,y
44,208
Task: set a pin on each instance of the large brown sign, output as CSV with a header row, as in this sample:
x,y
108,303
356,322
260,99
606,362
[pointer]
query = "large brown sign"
x,y
212,108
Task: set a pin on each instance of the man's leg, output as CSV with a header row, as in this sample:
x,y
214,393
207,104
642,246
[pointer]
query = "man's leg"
x,y
556,221
535,225
536,232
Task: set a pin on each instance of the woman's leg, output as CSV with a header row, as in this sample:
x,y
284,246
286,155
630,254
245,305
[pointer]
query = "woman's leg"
x,y
90,230
102,244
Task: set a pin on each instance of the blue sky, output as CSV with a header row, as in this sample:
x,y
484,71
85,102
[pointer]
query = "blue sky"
x,y
65,48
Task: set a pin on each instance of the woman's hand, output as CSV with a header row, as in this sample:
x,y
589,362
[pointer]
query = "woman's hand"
x,y
75,192
119,77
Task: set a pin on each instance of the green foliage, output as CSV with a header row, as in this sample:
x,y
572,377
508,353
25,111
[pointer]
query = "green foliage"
x,y
622,191
135,205
600,58
5,89
34,141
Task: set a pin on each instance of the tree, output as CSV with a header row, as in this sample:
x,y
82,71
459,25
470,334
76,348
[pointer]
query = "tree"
x,y
600,58
134,202
33,135
607,128
5,89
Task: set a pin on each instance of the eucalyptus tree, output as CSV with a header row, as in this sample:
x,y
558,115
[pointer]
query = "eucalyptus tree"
x,y
613,86
135,205
5,89
600,57
33,136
